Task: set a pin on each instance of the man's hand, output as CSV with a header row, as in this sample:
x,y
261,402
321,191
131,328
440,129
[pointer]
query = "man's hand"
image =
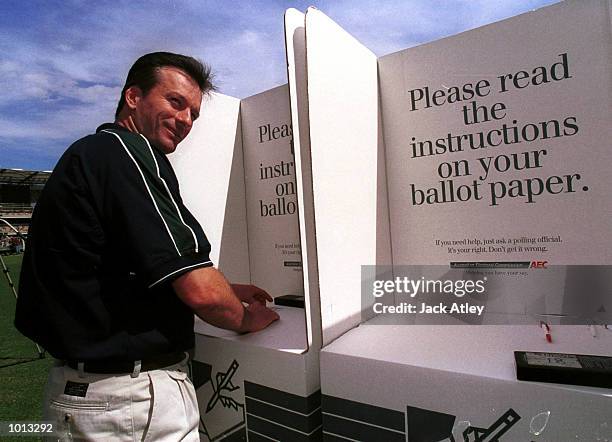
x,y
210,296
251,294
259,316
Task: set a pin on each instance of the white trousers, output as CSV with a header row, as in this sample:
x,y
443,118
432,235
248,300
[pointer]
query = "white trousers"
x,y
158,405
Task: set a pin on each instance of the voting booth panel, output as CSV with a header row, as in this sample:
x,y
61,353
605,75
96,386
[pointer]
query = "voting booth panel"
x,y
264,385
344,132
249,388
503,157
454,385
269,171
242,380
210,169
495,149
502,133
295,44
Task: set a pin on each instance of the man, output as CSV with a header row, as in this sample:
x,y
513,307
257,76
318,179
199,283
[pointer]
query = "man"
x,y
116,266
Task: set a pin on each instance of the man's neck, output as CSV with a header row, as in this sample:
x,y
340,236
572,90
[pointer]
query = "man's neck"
x,y
128,123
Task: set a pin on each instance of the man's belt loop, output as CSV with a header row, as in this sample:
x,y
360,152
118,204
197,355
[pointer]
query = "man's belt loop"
x,y
81,368
137,367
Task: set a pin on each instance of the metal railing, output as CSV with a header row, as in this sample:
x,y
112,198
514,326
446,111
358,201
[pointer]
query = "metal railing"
x,y
16,209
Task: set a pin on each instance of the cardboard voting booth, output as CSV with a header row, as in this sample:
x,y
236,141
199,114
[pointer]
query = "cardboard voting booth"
x,y
455,383
486,148
243,176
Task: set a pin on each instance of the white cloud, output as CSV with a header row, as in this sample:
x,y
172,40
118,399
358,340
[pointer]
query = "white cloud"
x,y
63,124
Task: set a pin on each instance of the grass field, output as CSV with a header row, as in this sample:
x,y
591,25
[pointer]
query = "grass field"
x,y
22,374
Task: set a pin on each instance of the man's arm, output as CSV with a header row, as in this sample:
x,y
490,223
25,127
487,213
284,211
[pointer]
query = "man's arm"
x,y
210,296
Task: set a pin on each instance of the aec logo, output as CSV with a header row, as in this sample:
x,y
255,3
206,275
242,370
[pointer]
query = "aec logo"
x,y
538,265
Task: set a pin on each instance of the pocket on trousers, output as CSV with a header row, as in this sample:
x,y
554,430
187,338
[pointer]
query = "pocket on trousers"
x,y
84,406
177,375
89,420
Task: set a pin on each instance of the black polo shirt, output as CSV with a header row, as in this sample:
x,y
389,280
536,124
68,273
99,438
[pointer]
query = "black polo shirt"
x,y
108,235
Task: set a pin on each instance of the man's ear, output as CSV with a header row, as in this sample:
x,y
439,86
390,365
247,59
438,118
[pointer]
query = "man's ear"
x,y
132,95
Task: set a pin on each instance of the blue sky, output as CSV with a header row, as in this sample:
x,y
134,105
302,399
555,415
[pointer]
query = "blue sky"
x,y
63,63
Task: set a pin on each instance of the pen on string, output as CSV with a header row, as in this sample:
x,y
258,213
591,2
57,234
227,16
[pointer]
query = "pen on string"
x,y
546,328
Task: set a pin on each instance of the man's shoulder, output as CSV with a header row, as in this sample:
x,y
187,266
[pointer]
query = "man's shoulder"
x,y
106,142
97,140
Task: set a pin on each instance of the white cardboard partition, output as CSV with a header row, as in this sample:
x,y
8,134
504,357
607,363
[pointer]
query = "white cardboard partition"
x,y
253,175
428,383
531,178
431,382
343,100
563,127
295,39
254,214
271,193
355,189
209,164
262,385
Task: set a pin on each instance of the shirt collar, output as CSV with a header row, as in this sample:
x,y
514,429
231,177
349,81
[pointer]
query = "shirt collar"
x,y
121,128
111,126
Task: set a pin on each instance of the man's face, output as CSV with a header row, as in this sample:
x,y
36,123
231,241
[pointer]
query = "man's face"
x,y
166,113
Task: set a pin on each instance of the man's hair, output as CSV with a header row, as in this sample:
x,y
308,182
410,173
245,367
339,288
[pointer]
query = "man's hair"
x,y
143,73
